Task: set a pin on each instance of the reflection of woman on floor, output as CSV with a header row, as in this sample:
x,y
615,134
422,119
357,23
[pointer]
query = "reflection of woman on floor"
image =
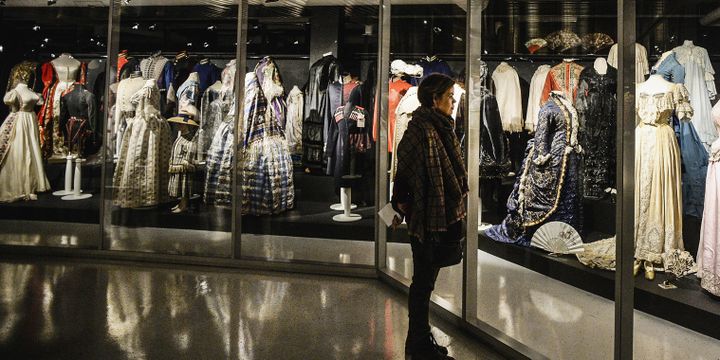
x,y
430,190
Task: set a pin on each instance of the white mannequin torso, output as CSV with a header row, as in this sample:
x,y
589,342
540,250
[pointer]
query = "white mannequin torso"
x,y
654,85
601,65
66,67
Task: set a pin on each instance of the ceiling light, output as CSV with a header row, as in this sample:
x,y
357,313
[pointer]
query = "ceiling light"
x,y
188,44
152,27
51,2
211,28
2,48
206,45
36,28
136,26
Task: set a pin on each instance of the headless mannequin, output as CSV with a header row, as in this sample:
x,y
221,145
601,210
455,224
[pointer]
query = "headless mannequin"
x,y
654,85
601,66
66,67
24,93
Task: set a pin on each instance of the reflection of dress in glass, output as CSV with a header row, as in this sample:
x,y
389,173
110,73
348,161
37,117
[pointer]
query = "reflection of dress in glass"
x,y
494,160
548,188
708,260
141,174
596,105
21,165
658,204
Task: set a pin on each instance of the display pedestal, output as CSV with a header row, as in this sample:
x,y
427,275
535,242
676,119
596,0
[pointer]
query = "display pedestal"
x,y
77,192
339,207
346,201
68,177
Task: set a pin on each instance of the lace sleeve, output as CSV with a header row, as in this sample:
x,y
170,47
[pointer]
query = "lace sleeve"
x,y
683,109
709,74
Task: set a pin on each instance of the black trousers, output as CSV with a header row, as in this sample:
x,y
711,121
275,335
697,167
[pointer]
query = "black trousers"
x,y
423,284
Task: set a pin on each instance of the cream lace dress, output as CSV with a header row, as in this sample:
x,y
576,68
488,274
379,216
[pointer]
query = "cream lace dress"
x,y
658,192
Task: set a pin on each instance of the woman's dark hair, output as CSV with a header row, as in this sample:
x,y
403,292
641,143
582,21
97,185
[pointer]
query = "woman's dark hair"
x,y
433,86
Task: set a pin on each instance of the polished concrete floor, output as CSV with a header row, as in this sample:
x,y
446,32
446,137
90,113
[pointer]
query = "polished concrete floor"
x,y
65,310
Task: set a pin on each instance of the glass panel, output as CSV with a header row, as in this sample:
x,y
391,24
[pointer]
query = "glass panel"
x,y
547,127
52,70
306,159
173,88
677,181
424,39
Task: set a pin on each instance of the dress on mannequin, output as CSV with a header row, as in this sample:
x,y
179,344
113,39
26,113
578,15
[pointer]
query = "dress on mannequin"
x,y
141,174
564,77
124,109
642,67
658,194
708,258
509,98
549,185
67,69
77,106
596,105
21,164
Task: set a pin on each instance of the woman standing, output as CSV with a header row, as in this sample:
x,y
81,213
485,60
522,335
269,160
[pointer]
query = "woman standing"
x,y
430,191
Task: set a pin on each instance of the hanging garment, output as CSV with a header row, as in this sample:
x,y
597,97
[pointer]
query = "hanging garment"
x,y
431,65
658,194
218,179
266,165
403,114
700,83
689,51
25,72
708,260
153,67
509,98
563,77
22,174
397,89
293,125
141,173
319,110
494,148
188,96
596,106
693,154
534,98
214,108
642,67
182,166
549,185
208,74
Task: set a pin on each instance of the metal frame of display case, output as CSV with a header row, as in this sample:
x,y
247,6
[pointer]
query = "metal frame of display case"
x,y
624,281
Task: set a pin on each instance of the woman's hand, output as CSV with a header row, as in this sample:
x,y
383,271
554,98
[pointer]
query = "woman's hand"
x,y
403,209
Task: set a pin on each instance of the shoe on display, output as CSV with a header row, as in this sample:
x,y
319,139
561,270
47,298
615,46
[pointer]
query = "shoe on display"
x,y
649,270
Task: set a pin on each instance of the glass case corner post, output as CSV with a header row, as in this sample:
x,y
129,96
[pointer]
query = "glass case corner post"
x,y
381,153
624,281
240,66
473,54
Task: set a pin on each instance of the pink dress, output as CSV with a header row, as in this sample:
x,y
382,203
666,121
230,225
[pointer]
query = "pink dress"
x,y
708,258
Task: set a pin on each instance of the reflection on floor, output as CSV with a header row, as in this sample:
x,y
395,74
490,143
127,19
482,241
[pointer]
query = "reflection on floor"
x,y
72,311
48,233
556,319
285,248
170,241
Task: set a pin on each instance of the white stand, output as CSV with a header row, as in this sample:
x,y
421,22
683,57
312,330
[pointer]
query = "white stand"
x,y
346,201
68,177
77,192
339,207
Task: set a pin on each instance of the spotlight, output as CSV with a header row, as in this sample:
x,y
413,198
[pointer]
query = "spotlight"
x,y
51,2
188,44
36,28
206,45
135,26
2,48
152,27
211,28
46,40
52,56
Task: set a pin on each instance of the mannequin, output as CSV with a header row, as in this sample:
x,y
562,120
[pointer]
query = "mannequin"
x,y
21,166
67,69
182,161
601,66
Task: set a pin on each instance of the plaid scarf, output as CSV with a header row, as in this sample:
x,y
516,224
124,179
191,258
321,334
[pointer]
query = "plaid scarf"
x,y
431,162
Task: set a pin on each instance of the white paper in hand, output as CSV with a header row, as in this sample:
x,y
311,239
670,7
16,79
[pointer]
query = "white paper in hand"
x,y
387,214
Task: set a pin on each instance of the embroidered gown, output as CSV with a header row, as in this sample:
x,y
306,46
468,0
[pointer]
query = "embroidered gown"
x,y
658,194
708,260
21,164
596,105
266,166
548,188
141,173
